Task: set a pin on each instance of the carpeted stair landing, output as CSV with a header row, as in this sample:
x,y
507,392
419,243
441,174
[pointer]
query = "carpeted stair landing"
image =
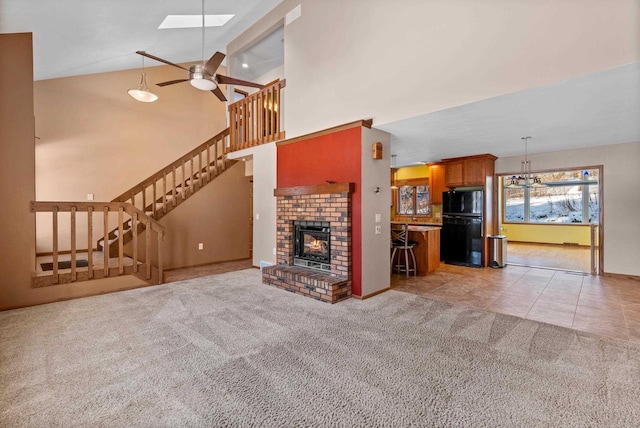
x,y
228,351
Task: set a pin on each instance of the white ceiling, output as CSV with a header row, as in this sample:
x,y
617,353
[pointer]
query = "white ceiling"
x,y
592,110
75,37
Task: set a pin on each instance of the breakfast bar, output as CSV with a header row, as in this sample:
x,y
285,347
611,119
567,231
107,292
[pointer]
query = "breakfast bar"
x,y
427,250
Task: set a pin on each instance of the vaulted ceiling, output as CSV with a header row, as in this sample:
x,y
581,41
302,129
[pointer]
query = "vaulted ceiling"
x,y
75,37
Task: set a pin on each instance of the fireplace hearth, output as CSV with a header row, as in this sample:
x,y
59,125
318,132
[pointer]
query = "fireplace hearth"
x,y
313,234
312,244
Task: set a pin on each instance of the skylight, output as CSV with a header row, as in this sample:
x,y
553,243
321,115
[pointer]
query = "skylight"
x,y
194,21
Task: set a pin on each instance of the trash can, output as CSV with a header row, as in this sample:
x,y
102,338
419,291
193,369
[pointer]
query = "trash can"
x,y
497,251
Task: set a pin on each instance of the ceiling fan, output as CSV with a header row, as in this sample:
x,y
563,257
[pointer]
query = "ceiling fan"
x,y
204,76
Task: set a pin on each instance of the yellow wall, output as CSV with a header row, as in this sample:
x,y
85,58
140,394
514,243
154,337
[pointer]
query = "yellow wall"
x,y
409,172
547,234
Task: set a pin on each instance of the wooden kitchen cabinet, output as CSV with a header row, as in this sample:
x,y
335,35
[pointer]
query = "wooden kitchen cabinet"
x,y
436,181
468,171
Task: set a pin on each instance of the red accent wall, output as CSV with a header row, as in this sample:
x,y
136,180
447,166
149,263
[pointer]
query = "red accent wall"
x,y
335,157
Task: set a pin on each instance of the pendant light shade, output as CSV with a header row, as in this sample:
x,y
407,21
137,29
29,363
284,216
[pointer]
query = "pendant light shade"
x,y
142,93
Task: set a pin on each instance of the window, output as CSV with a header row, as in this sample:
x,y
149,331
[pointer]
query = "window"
x,y
567,197
414,200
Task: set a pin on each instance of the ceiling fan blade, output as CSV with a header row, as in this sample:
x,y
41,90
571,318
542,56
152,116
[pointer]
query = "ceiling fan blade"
x,y
171,82
143,53
214,62
225,80
218,93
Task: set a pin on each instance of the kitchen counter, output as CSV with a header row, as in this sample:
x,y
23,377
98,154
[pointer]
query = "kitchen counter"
x,y
427,250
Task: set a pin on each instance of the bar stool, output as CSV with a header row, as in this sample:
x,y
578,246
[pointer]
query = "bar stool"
x,y
400,241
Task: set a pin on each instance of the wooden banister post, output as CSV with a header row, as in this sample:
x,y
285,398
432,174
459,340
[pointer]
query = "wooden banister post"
x,y
134,230
73,243
183,183
173,187
155,198
160,274
55,245
120,241
191,176
90,241
144,199
164,193
148,248
106,246
208,163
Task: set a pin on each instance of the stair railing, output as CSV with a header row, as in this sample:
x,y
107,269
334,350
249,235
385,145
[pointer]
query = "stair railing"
x,y
138,220
180,178
257,118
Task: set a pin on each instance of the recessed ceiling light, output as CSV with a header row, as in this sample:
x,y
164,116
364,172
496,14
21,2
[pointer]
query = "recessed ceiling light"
x,y
245,65
194,21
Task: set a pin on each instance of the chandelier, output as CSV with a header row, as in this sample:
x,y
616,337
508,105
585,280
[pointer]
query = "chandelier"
x,y
525,179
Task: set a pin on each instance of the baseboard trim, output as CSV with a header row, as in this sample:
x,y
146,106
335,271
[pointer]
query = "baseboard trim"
x,y
621,276
375,293
204,264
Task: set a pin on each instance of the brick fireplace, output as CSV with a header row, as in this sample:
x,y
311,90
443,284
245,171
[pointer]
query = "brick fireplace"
x,y
326,207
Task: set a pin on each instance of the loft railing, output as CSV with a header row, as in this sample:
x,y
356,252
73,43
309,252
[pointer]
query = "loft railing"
x,y
257,118
138,219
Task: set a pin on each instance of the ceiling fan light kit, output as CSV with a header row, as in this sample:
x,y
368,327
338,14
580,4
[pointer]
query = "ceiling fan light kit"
x,y
200,79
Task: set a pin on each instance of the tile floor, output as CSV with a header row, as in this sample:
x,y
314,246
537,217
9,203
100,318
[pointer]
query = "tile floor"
x,y
602,305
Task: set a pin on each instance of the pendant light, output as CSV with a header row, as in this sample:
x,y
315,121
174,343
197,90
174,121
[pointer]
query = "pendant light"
x,y
525,179
394,172
142,92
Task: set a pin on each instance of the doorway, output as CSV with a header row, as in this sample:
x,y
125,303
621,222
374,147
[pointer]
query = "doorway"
x,y
552,219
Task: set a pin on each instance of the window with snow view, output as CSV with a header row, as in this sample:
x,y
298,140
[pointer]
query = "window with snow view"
x,y
564,197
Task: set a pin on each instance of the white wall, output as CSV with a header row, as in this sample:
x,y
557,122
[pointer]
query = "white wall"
x,y
392,60
264,203
621,202
261,164
375,248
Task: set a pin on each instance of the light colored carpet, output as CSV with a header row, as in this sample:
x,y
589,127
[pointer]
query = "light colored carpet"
x,y
228,351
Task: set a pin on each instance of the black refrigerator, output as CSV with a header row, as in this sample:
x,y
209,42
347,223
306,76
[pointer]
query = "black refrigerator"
x,y
461,237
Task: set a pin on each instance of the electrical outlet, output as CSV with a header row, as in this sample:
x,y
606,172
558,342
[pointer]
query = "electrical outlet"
x,y
201,246
89,196
378,230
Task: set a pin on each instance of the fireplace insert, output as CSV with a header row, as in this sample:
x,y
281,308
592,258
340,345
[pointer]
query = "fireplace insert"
x,y
312,244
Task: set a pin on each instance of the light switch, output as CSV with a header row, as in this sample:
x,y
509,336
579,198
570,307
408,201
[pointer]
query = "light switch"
x,y
89,196
257,216
378,218
201,246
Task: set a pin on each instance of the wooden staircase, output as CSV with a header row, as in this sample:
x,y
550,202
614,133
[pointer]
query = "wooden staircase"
x,y
254,120
163,191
